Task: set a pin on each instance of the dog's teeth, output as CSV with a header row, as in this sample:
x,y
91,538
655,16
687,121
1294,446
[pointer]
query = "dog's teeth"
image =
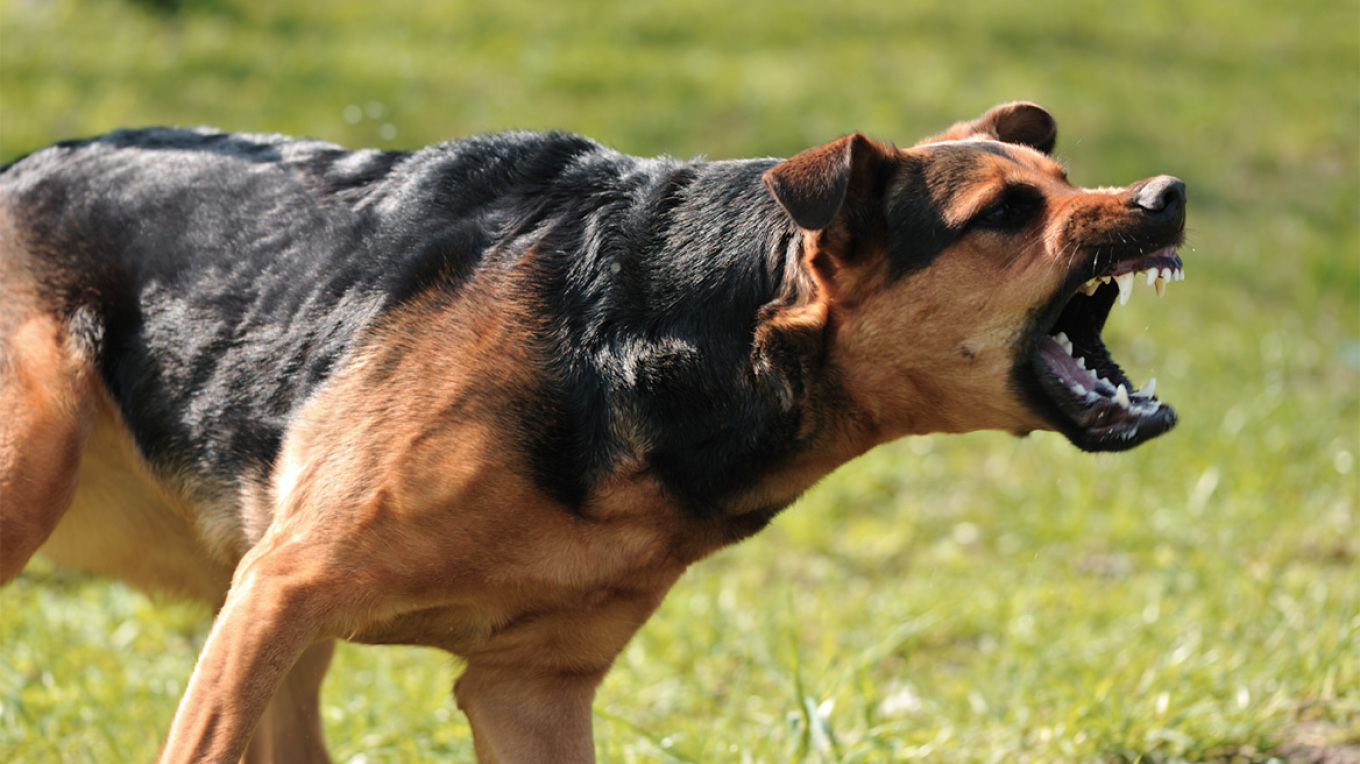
x,y
1081,363
1125,282
1151,274
1160,286
1090,287
1105,279
1180,274
1166,274
1063,342
1149,390
1121,396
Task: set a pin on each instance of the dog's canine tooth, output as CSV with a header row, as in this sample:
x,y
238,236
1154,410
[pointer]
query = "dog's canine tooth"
x,y
1160,286
1148,390
1121,396
1125,282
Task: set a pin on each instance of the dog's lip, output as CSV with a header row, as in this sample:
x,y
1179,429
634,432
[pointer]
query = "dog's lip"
x,y
1100,407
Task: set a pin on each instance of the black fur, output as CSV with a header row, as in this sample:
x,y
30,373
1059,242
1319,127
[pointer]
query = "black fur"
x,y
229,275
655,281
226,279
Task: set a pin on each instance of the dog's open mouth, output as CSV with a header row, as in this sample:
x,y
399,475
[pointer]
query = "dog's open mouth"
x,y
1103,410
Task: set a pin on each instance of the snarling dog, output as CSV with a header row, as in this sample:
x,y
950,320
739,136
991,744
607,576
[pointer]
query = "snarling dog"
x,y
496,395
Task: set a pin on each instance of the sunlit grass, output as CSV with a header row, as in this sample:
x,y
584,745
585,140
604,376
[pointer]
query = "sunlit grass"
x,y
952,598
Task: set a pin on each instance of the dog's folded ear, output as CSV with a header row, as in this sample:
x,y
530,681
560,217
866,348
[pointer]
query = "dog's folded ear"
x,y
1020,122
814,185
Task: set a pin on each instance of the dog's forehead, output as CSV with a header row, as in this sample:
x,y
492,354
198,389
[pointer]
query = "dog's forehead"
x,y
952,166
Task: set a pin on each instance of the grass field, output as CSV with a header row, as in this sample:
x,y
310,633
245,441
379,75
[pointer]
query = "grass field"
x,y
971,598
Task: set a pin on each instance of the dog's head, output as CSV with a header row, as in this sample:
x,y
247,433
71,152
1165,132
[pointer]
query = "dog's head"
x,y
966,282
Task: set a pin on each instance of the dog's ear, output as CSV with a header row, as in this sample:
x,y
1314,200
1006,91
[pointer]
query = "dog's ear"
x,y
1020,122
814,186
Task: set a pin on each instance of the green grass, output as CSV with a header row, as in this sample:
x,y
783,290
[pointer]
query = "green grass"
x,y
951,598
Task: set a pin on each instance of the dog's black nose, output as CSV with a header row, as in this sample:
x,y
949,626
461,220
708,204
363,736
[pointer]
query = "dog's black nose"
x,y
1163,194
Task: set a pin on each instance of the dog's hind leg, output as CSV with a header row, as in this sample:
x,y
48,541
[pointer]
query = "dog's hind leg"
x,y
47,394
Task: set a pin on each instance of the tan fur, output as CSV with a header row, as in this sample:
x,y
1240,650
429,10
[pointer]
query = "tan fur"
x,y
124,524
44,392
46,402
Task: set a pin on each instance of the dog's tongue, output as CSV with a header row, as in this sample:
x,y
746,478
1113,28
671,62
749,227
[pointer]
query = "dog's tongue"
x,y
1074,377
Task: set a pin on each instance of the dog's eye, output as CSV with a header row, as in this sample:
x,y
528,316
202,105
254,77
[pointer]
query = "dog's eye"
x,y
1000,213
1015,209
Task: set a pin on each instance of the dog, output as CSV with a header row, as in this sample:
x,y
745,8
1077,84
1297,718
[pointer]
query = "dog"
x,y
494,396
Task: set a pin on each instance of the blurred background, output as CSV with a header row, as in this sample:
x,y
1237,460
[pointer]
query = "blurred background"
x,y
969,598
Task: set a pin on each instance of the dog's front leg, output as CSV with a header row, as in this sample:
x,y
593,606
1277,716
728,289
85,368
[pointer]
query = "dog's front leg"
x,y
521,714
528,692
278,606
290,730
